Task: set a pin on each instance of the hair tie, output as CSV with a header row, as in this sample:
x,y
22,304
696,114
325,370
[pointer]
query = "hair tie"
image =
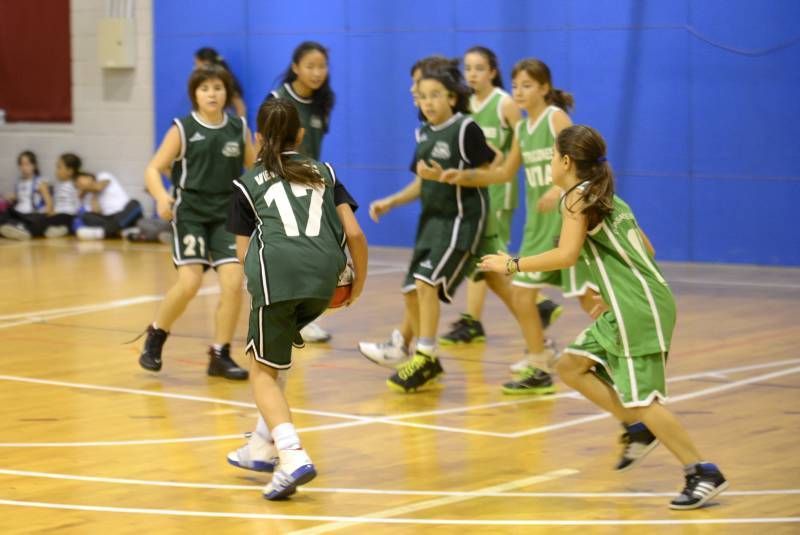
x,y
601,159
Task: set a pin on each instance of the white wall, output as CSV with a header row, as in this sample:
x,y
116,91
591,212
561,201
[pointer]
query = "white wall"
x,y
112,110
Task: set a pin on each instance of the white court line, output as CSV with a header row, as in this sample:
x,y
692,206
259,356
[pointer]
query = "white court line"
x,y
410,521
738,284
382,492
671,400
358,420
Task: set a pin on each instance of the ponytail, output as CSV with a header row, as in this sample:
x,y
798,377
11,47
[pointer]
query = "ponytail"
x,y
561,99
278,123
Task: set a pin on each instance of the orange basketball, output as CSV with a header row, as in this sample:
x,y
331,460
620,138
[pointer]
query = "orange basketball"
x,y
343,288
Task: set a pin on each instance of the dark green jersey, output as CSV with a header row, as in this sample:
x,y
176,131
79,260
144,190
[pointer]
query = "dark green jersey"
x,y
211,157
455,214
296,249
310,118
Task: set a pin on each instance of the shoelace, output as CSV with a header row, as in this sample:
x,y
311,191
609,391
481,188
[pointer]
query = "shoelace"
x,y
413,365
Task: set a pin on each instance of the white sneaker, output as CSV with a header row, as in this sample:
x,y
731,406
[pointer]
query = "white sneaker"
x,y
90,233
295,469
56,232
15,232
257,454
544,361
313,333
389,354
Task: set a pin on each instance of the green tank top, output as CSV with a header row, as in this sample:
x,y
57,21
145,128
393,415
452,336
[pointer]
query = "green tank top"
x,y
466,209
489,116
211,157
641,314
535,138
296,251
310,118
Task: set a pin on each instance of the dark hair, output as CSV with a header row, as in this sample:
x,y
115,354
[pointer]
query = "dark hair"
x,y
278,123
323,98
452,79
587,149
430,62
209,72
31,158
490,58
540,72
72,162
212,57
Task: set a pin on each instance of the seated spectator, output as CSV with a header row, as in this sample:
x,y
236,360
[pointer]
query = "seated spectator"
x,y
107,208
31,202
65,197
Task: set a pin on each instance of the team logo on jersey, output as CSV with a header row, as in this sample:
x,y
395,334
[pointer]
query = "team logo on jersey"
x,y
441,150
231,149
197,136
315,121
427,264
490,132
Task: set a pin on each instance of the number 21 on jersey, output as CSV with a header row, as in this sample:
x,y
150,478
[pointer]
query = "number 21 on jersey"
x,y
277,194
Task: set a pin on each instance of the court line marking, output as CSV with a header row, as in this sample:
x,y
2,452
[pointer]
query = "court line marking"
x,y
699,393
366,520
381,492
358,420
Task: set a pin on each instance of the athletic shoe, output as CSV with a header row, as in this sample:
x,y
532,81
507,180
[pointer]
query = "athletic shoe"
x,y
257,454
314,334
298,341
390,354
466,330
58,231
525,364
637,442
220,364
535,382
548,312
412,376
90,233
294,469
703,482
150,358
15,232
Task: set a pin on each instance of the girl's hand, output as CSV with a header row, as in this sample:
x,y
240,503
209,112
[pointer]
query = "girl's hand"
x,y
495,262
355,293
549,201
164,207
455,177
378,208
429,172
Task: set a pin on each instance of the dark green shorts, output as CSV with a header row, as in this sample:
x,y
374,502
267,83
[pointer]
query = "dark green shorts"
x,y
208,244
272,329
443,268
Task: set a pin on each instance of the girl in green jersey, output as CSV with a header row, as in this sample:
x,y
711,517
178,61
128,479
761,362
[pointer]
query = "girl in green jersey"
x,y
618,363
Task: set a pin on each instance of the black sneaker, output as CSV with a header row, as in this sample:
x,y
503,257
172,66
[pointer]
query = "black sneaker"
x,y
637,442
549,312
150,358
421,370
703,482
533,382
221,364
466,330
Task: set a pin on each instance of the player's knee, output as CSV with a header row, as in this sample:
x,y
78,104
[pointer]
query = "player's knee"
x,y
569,366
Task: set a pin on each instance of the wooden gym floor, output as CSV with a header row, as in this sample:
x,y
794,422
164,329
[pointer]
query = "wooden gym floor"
x,y
90,443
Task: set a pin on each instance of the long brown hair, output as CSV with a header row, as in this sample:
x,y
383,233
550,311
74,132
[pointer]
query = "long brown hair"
x,y
587,149
539,71
278,123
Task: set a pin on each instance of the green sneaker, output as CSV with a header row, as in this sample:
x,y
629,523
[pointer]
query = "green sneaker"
x,y
549,312
534,382
465,331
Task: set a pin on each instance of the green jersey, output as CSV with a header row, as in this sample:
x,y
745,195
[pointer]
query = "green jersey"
x,y
489,116
310,118
211,157
642,308
453,214
296,250
536,138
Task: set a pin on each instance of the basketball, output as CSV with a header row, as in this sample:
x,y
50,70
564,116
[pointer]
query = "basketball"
x,y
343,288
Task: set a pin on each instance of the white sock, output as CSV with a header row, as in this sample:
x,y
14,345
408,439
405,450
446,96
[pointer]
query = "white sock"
x,y
262,430
286,437
217,347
